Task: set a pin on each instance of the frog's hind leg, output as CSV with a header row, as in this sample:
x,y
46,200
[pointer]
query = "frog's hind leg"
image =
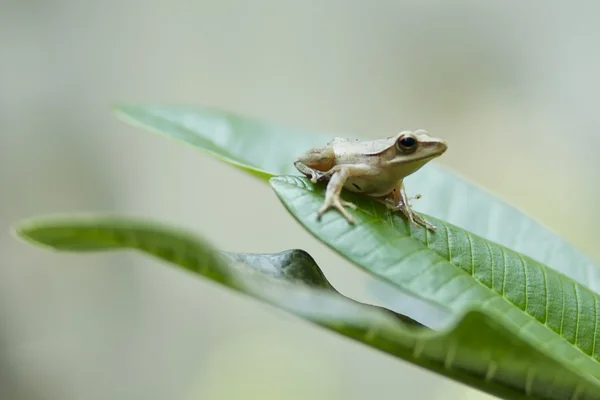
x,y
315,175
316,162
397,200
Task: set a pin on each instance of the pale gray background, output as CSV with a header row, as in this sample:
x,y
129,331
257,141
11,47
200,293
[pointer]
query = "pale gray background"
x,y
512,87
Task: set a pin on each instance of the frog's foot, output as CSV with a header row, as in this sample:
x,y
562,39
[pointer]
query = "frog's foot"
x,y
414,218
315,175
348,204
322,176
338,204
410,214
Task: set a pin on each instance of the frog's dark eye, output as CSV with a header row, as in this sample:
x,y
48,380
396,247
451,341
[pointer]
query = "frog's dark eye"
x,y
407,143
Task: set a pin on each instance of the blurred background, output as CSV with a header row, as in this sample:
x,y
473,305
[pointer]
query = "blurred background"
x,y
512,87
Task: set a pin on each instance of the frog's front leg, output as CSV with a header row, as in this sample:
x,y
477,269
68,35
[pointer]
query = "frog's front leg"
x,y
332,195
397,200
339,175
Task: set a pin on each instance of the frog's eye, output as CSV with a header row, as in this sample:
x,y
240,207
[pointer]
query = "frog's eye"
x,y
407,143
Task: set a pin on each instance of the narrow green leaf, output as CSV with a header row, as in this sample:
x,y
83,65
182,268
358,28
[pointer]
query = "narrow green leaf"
x,y
480,350
242,142
87,232
265,150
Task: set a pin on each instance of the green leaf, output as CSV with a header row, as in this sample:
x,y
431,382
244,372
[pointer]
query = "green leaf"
x,y
457,270
480,350
265,150
242,142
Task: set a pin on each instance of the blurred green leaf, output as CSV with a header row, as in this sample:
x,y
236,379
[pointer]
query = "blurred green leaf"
x,y
483,350
265,150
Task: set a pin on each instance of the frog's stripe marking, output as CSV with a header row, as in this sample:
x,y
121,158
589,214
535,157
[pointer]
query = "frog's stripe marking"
x,y
356,186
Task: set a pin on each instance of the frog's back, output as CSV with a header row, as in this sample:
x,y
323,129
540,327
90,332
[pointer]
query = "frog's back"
x,y
345,149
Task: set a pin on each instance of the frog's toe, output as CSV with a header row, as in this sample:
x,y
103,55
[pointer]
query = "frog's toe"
x,y
339,205
419,221
348,204
322,210
430,226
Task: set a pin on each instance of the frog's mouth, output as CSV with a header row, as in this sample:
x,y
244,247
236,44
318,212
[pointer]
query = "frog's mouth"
x,y
434,150
424,158
419,161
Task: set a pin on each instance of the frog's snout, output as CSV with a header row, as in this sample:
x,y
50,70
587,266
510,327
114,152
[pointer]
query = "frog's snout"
x,y
443,146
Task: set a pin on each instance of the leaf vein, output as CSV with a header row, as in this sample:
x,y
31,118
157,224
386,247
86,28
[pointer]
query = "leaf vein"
x,y
472,256
595,326
523,262
562,313
504,272
577,303
489,249
547,291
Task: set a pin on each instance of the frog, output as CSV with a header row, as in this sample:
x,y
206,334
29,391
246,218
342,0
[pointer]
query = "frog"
x,y
375,168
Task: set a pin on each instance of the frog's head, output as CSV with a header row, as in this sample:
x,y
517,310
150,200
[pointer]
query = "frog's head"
x,y
410,150
418,145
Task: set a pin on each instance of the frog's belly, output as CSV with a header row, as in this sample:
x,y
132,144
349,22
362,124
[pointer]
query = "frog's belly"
x,y
370,186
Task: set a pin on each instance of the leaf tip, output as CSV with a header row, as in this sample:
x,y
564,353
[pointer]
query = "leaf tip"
x,y
276,180
29,231
49,231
